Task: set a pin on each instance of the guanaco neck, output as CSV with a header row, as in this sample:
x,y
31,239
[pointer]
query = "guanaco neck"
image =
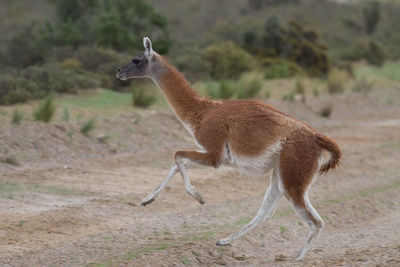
x,y
182,98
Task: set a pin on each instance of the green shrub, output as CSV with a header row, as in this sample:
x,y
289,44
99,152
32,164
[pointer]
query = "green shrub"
x,y
220,90
141,98
336,82
300,87
17,117
276,68
295,44
376,55
249,85
367,49
88,126
227,60
45,110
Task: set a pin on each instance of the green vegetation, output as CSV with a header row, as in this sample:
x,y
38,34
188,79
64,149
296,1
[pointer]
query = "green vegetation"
x,y
46,109
17,117
17,190
142,98
227,60
336,82
88,126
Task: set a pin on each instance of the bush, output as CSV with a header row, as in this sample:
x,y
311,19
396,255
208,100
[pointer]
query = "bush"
x,y
300,87
366,49
220,90
376,55
141,98
295,44
249,85
88,126
17,117
336,82
45,110
276,68
227,60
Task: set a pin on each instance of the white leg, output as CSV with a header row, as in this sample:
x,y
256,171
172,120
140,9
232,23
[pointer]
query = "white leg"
x,y
190,189
271,199
310,215
152,196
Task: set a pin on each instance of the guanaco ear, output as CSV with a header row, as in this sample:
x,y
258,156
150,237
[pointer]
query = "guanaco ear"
x,y
147,46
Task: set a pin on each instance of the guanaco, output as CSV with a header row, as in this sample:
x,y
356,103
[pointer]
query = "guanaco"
x,y
248,135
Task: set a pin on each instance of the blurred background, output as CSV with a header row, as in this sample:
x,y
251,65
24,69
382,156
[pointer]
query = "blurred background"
x,y
70,132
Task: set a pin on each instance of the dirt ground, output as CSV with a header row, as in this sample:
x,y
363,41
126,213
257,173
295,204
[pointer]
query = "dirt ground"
x,y
76,203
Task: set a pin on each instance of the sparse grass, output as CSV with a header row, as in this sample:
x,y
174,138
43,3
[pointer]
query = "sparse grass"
x,y
186,261
17,117
88,126
20,223
242,221
65,115
16,190
363,85
97,100
289,96
282,228
46,109
390,72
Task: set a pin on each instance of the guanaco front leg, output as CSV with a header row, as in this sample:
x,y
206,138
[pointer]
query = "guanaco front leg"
x,y
152,196
182,157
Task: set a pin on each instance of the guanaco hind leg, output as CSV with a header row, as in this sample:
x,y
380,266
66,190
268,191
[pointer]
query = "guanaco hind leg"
x,y
271,199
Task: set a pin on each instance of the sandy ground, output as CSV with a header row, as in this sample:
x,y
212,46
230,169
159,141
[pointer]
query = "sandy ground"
x,y
83,209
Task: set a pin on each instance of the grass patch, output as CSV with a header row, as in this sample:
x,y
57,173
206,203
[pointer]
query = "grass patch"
x,y
88,126
390,71
46,109
185,261
282,228
17,117
98,100
242,221
17,190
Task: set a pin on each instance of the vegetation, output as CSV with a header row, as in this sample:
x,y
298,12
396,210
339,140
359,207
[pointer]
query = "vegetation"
x,y
17,117
46,109
142,98
88,126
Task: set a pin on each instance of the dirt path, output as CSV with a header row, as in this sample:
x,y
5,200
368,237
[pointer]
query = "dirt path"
x,y
87,214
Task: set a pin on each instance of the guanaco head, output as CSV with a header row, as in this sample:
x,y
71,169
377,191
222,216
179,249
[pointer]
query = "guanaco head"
x,y
141,66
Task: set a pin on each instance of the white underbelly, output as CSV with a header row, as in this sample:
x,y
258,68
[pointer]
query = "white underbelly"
x,y
254,165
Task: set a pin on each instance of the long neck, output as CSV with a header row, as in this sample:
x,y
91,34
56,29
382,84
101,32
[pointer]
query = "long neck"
x,y
177,91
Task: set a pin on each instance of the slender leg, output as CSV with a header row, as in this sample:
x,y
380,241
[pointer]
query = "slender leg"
x,y
310,215
190,189
182,157
152,196
271,199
